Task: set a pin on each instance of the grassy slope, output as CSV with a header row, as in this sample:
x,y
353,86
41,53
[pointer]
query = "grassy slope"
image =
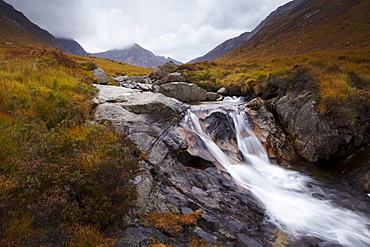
x,y
338,26
59,173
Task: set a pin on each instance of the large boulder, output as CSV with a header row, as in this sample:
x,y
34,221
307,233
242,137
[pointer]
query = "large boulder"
x,y
169,67
161,72
222,91
185,92
173,77
115,101
101,76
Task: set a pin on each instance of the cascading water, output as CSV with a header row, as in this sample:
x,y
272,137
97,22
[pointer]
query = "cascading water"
x,y
293,202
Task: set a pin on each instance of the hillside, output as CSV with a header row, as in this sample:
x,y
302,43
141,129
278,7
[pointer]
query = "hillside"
x,y
134,55
315,26
17,30
233,43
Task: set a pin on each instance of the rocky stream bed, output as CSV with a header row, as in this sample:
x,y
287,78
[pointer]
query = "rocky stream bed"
x,y
179,177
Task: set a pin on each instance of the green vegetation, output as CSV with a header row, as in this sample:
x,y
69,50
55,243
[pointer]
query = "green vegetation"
x,y
60,173
340,83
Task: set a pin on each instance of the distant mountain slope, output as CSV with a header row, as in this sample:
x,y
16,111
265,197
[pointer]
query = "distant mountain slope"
x,y
233,43
302,27
223,48
72,46
134,55
17,30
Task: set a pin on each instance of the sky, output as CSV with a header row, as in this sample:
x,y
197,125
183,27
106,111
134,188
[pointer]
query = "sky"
x,y
181,29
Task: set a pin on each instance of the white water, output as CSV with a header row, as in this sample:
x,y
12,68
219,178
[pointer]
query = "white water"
x,y
286,195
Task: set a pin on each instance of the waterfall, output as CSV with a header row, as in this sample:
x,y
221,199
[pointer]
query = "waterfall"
x,y
293,201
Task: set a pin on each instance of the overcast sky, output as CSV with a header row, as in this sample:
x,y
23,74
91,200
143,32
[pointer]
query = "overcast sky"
x,y
181,29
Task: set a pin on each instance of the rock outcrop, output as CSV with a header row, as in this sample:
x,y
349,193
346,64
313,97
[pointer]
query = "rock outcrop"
x,y
313,136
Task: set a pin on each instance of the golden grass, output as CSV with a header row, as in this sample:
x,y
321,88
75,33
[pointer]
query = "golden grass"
x,y
87,236
167,222
53,161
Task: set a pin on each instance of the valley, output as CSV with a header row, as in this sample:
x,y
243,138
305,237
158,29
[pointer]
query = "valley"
x,y
228,149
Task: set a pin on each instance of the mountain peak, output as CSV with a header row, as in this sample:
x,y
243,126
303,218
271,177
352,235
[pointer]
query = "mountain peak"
x,y
135,55
72,46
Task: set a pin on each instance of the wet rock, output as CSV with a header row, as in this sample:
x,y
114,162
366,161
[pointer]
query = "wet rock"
x,y
219,127
269,132
150,197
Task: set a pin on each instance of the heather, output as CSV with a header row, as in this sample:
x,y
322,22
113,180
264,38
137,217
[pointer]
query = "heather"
x,y
61,173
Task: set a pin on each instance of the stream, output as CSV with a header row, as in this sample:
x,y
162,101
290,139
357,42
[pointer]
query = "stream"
x,y
299,203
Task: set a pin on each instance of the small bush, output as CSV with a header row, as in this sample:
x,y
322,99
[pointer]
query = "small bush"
x,y
91,66
86,236
172,224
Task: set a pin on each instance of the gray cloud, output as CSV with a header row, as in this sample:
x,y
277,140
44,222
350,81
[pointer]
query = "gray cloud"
x,y
180,29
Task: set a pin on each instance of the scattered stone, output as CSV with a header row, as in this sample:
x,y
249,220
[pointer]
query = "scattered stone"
x,y
212,96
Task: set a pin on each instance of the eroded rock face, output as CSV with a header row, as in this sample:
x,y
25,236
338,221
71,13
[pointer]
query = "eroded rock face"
x,y
314,138
268,131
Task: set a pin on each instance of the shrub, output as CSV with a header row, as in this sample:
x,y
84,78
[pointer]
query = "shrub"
x,y
172,224
91,66
86,236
